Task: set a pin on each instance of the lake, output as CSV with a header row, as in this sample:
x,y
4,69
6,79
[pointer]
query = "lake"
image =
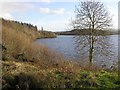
x,y
65,44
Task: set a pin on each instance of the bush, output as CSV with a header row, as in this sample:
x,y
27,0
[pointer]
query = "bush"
x,y
14,41
22,81
21,47
21,57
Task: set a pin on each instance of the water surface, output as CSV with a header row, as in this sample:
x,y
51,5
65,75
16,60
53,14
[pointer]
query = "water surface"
x,y
65,44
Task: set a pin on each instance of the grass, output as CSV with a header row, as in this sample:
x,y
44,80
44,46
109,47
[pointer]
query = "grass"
x,y
19,46
30,30
27,65
23,75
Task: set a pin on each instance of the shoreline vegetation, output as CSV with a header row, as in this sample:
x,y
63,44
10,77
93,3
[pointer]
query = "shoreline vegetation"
x,y
86,32
28,29
27,65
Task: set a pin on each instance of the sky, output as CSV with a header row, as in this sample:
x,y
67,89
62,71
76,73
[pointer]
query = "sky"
x,y
52,15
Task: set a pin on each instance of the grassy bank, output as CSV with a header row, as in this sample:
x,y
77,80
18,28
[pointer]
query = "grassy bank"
x,y
30,30
27,66
28,76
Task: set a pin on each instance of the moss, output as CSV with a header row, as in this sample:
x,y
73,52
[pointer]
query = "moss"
x,y
107,79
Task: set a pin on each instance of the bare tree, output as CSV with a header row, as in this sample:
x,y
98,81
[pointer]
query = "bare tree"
x,y
93,18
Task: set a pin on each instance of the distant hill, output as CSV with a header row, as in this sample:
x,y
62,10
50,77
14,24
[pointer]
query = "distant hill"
x,y
27,28
85,32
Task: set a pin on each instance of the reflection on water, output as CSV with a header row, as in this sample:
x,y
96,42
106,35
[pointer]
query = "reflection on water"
x,y
66,45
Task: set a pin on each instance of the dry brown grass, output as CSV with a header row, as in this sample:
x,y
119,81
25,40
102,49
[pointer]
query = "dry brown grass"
x,y
14,41
18,43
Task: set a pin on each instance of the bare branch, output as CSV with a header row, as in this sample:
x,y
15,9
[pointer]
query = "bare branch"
x,y
93,17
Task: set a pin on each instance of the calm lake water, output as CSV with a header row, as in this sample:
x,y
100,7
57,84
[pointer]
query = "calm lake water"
x,y
65,44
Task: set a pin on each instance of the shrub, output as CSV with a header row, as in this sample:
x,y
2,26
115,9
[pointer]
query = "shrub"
x,y
21,81
21,47
21,57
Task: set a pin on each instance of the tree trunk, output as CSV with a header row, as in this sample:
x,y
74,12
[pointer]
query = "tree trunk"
x,y
91,52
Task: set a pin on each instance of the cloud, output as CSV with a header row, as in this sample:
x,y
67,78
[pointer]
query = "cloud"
x,y
7,16
54,11
10,7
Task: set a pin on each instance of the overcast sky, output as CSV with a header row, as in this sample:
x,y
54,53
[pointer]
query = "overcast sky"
x,y
52,15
